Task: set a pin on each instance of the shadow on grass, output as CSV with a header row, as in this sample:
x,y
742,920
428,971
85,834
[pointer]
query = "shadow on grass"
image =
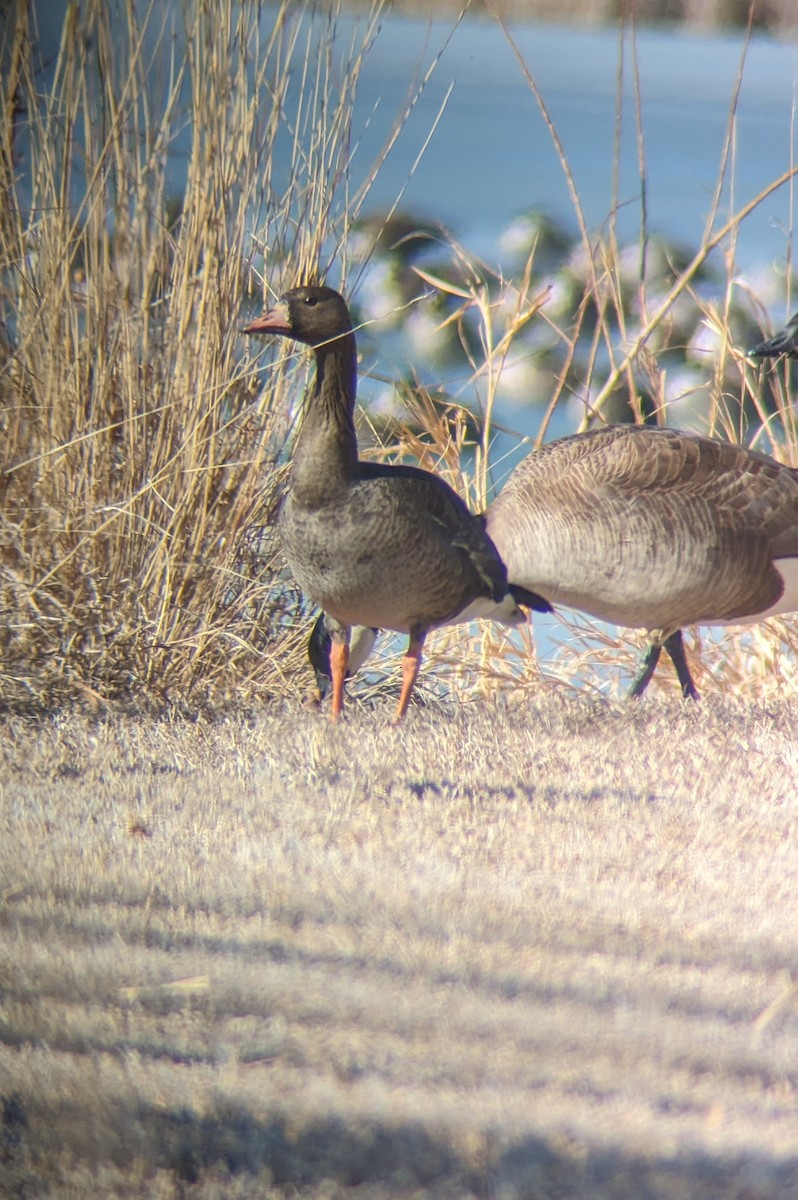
x,y
103,926
231,1141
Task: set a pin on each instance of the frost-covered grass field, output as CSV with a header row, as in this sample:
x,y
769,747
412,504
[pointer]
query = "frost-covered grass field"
x,y
539,951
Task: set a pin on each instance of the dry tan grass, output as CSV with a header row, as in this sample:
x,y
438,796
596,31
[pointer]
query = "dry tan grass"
x,y
542,951
137,446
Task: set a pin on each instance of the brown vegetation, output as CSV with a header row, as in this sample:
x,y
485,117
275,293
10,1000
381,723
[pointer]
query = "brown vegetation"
x,y
138,455
142,453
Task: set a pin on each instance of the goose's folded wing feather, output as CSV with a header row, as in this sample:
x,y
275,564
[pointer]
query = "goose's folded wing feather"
x,y
649,523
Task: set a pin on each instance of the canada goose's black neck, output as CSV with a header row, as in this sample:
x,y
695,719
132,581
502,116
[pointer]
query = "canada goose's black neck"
x,y
325,458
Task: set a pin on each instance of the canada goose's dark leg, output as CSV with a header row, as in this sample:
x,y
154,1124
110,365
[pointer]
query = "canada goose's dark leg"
x,y
319,647
411,664
675,647
647,667
339,661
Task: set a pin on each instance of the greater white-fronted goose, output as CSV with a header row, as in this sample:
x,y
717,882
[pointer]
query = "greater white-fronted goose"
x,y
653,529
389,547
783,342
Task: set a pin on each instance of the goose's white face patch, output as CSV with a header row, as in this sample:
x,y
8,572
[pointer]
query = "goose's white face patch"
x,y
788,601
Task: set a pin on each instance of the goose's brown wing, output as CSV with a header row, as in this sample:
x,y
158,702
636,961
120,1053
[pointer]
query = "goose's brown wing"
x,y
437,506
649,526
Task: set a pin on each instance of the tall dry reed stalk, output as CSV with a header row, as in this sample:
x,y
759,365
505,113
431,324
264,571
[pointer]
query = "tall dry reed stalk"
x,y
137,452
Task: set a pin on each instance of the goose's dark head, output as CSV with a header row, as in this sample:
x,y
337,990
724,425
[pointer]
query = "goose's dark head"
x,y
314,315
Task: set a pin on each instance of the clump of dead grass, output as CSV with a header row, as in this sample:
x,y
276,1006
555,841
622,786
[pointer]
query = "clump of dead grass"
x,y
136,449
625,330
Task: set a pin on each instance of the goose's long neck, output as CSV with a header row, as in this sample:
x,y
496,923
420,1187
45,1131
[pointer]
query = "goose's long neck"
x,y
325,457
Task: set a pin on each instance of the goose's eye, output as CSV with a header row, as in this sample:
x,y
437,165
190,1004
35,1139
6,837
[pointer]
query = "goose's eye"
x,y
311,301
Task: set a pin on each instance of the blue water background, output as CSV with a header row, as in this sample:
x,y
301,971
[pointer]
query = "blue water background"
x,y
491,155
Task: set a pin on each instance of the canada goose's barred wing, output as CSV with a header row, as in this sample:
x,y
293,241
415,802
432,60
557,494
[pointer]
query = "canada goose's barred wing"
x,y
649,527
742,487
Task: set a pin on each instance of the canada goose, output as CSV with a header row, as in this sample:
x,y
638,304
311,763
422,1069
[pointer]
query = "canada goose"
x,y
655,529
389,547
783,342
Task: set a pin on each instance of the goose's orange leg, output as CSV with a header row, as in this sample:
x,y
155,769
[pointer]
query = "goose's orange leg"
x,y
411,664
339,661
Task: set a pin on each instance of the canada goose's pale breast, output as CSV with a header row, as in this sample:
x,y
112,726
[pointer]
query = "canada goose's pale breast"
x,y
649,528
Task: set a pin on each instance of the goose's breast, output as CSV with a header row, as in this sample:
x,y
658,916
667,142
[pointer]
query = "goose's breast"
x,y
382,567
